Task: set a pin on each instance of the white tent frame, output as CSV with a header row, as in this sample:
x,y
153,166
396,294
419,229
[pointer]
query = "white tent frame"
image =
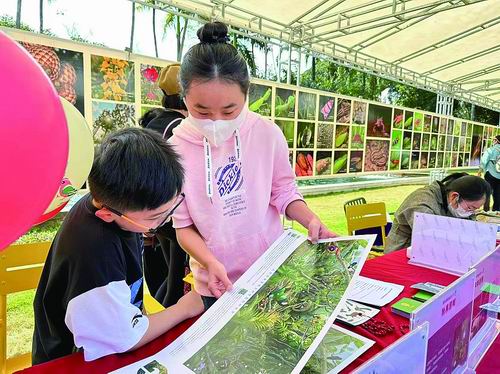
x,y
388,16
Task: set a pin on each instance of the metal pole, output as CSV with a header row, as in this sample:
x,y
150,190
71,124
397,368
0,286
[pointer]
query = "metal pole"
x,y
289,73
265,63
298,67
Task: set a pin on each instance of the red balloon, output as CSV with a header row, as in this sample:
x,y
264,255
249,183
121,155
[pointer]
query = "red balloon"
x,y
33,141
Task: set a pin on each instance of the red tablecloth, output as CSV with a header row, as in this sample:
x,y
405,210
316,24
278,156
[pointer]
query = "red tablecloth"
x,y
392,268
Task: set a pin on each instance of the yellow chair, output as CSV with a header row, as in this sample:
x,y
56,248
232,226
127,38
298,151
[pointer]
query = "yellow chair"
x,y
152,305
356,201
20,269
366,216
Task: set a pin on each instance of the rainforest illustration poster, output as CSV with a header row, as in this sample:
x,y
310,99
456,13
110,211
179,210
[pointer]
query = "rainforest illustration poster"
x,y
274,328
337,350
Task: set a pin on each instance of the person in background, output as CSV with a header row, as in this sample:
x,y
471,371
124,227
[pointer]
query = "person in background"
x,y
165,262
490,166
459,195
238,175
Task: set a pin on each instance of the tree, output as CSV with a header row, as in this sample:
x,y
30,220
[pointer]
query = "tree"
x,y
152,4
132,29
180,27
404,95
18,13
8,21
328,76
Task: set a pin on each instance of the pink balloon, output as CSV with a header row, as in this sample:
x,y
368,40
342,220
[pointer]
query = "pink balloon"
x,y
33,141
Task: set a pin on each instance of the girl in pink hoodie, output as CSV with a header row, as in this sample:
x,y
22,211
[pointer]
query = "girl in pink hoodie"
x,y
238,178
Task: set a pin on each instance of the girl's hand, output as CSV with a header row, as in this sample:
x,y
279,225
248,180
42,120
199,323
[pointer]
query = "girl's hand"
x,y
218,282
317,230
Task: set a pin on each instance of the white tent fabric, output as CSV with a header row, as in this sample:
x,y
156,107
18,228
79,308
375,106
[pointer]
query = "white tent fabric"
x,y
447,46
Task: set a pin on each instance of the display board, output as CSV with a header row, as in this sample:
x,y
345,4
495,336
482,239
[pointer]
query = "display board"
x,y
327,134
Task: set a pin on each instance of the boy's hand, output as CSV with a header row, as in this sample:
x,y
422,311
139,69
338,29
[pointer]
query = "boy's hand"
x,y
317,230
218,282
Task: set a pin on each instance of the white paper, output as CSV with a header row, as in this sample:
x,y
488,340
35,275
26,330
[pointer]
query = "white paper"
x,y
374,292
451,245
355,313
228,333
336,351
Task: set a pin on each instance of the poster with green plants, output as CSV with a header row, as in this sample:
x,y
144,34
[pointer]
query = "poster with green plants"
x,y
340,162
408,120
260,99
418,122
395,160
397,139
284,103
358,137
112,79
405,160
273,330
341,136
305,135
307,105
288,129
109,117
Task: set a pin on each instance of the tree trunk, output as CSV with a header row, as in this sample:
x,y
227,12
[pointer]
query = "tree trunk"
x,y
473,112
18,14
41,16
178,36
132,29
183,39
154,32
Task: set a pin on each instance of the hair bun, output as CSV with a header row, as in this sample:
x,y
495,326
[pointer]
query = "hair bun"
x,y
213,33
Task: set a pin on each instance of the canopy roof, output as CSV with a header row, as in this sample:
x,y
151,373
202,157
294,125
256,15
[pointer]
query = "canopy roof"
x,y
450,47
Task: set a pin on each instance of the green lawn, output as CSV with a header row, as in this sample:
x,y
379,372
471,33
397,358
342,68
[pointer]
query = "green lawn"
x,y
328,207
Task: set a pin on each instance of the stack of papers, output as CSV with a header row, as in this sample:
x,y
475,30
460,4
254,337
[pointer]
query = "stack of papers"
x,y
374,292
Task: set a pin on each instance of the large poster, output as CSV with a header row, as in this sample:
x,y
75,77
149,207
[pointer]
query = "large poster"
x,y
112,79
277,313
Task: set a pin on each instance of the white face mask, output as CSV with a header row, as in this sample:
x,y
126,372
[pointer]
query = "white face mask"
x,y
218,131
459,211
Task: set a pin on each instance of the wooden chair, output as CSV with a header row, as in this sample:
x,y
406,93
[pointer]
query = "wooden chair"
x,y
366,216
356,201
20,269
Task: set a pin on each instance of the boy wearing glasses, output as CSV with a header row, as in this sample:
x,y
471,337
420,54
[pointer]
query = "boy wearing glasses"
x,y
90,292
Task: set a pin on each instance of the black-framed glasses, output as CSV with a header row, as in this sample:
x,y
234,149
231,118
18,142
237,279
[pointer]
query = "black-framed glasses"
x,y
144,227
